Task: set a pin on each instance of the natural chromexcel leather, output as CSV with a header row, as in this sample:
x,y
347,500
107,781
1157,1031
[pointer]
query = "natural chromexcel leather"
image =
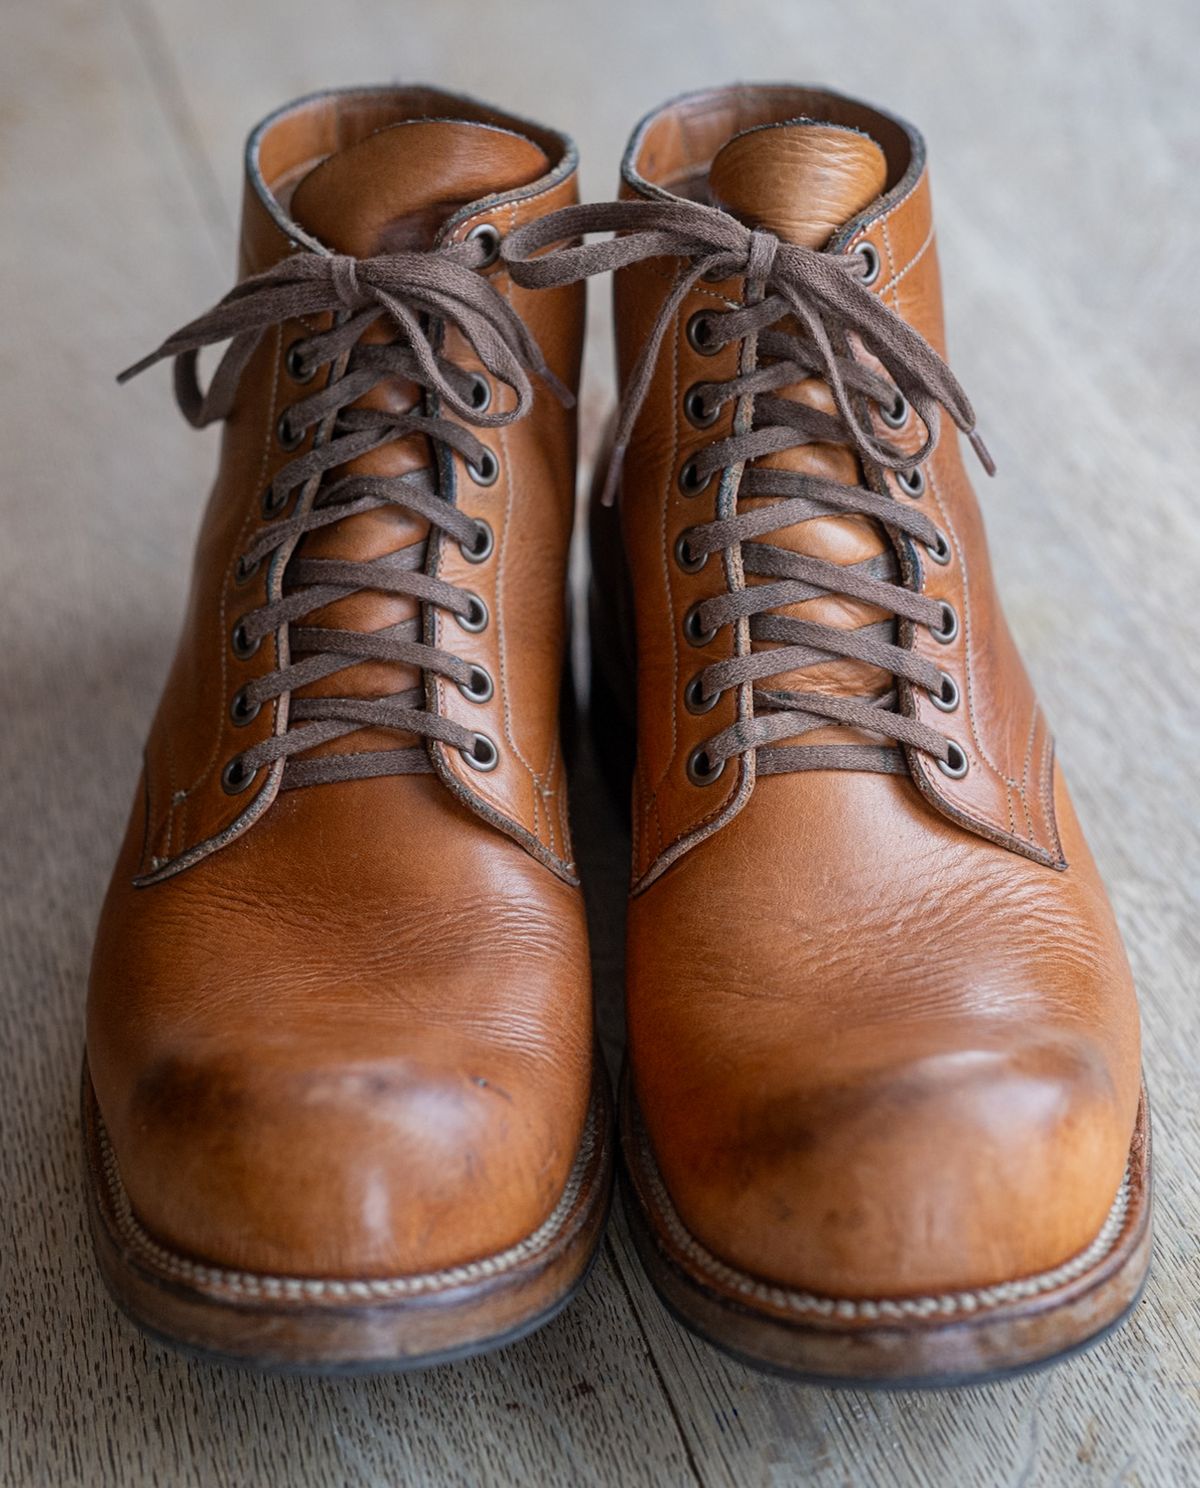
x,y
345,1029
882,1032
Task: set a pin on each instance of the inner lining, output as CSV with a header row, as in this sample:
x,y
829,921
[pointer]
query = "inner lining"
x,y
674,148
299,138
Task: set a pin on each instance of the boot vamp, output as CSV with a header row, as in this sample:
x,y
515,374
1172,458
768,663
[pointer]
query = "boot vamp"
x,y
356,1041
876,1055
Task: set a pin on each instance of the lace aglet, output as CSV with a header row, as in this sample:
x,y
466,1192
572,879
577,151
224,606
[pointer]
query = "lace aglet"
x,y
612,476
138,367
981,449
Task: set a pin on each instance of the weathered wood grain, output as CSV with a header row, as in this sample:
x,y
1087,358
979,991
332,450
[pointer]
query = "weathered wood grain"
x,y
1065,143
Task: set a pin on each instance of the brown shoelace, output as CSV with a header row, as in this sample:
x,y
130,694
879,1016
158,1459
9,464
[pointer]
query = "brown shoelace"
x,y
826,302
420,294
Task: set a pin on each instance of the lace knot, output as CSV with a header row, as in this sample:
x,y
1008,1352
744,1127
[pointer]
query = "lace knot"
x,y
343,271
760,254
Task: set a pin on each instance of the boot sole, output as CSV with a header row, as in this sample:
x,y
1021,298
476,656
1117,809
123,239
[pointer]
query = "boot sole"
x,y
348,1325
928,1342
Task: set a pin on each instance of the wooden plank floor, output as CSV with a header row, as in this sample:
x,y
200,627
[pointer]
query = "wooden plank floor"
x,y
1065,140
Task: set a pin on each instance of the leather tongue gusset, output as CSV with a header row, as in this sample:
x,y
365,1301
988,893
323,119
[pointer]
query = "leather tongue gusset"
x,y
801,181
393,190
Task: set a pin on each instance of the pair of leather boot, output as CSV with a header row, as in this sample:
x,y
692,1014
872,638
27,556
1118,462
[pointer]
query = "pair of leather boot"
x,y
882,1115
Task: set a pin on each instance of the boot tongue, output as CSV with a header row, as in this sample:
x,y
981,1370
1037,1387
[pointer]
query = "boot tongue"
x,y
804,181
801,181
393,190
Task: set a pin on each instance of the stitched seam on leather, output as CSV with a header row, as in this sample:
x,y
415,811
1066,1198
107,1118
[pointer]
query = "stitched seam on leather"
x,y
650,790
551,792
942,1304
535,778
300,1288
725,809
662,547
1024,794
894,282
501,634
477,787
223,608
966,619
1053,838
1009,783
911,264
697,289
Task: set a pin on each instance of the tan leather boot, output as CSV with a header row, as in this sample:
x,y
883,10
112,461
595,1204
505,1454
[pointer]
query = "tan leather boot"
x,y
340,1100
883,1117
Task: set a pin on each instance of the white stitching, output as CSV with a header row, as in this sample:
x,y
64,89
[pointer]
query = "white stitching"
x,y
911,264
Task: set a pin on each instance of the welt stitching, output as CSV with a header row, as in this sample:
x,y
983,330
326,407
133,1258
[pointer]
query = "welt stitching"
x,y
300,1289
944,1304
939,1305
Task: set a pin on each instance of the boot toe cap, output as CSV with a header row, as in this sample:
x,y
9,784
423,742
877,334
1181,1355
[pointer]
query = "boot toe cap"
x,y
962,1168
353,1165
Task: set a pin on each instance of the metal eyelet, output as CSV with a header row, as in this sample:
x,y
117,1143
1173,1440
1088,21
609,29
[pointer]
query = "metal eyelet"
x,y
243,646
946,697
481,392
243,710
697,339
295,365
272,503
477,619
694,631
243,572
481,549
688,561
287,437
482,755
895,416
948,630
235,777
480,688
911,482
489,236
695,701
691,483
486,472
694,410
957,765
870,254
701,770
940,552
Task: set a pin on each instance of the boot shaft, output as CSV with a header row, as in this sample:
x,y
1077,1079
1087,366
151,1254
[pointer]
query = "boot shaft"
x,y
356,177
832,175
